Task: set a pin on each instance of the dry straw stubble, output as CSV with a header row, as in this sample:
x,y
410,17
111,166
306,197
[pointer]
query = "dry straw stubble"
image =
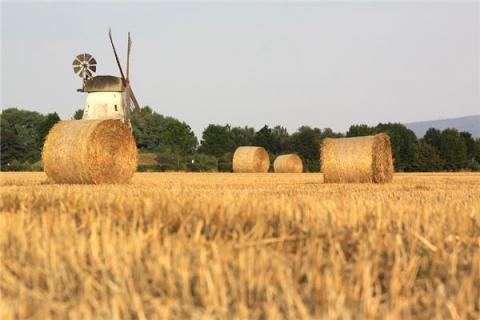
x,y
288,163
358,159
251,159
90,152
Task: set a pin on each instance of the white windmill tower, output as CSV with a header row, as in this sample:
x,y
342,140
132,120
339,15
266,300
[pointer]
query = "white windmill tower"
x,y
108,97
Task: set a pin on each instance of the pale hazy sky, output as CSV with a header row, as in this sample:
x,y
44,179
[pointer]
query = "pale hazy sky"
x,y
324,64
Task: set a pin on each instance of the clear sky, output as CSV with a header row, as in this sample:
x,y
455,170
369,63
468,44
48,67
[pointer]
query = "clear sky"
x,y
324,64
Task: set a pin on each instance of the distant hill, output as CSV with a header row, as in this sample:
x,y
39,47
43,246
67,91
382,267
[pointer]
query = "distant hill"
x,y
468,123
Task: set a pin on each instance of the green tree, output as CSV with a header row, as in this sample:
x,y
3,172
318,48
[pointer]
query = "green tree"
x,y
216,140
20,135
50,120
179,138
470,144
306,143
264,138
148,133
78,115
242,136
166,136
477,150
280,140
403,142
427,158
328,133
453,149
433,137
358,130
11,148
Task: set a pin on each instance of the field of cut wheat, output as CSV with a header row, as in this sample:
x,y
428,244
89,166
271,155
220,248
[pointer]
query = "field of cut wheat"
x,y
240,246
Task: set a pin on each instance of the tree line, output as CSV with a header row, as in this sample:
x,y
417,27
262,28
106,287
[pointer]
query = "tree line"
x,y
176,147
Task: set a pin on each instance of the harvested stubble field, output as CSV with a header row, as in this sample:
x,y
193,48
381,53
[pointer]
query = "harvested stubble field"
x,y
240,246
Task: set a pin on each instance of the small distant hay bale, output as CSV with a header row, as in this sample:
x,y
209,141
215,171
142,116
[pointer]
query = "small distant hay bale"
x,y
251,159
288,163
359,159
90,152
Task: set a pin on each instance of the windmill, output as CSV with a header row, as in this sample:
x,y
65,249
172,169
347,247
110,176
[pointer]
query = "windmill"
x,y
109,97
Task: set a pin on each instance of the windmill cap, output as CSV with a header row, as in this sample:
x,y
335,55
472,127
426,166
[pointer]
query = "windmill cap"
x,y
104,84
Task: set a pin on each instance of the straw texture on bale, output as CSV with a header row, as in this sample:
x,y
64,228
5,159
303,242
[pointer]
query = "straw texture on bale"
x,y
358,159
288,163
90,152
251,159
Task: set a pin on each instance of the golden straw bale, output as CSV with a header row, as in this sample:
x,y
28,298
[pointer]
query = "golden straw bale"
x,y
251,159
288,163
90,151
358,159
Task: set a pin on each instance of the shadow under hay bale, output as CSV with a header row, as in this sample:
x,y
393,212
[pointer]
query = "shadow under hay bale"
x,y
90,152
359,159
251,159
288,163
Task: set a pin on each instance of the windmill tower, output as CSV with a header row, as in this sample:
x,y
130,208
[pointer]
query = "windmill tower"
x,y
108,97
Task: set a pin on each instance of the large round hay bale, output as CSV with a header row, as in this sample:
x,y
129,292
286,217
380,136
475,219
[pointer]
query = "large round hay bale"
x,y
358,159
251,159
288,163
90,151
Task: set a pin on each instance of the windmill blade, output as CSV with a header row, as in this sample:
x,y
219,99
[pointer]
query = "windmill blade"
x,y
116,55
92,61
126,110
128,99
133,98
129,47
136,107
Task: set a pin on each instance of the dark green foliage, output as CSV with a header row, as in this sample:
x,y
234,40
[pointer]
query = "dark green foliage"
x,y
403,142
216,140
50,120
163,134
470,144
471,150
427,158
264,138
12,149
168,161
242,137
477,150
78,114
280,140
179,138
148,135
201,163
306,143
16,165
358,130
225,162
275,140
433,137
20,134
149,168
328,133
453,149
